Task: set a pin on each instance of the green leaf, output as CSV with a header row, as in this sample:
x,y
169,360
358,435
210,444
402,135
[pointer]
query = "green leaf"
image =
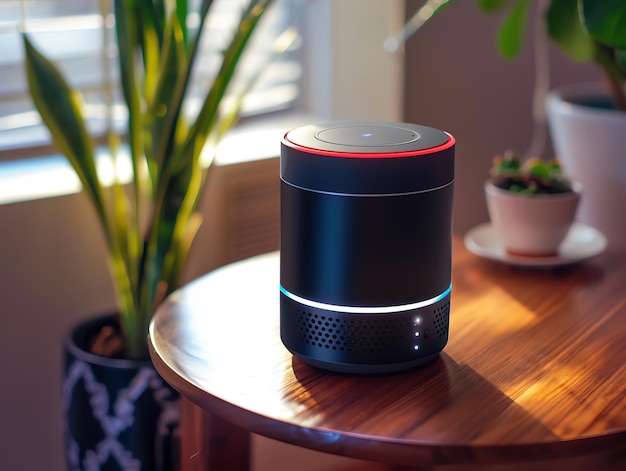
x,y
155,69
172,68
179,187
207,116
181,13
489,6
169,127
127,25
181,247
605,21
60,110
151,17
539,169
150,36
565,28
620,58
511,35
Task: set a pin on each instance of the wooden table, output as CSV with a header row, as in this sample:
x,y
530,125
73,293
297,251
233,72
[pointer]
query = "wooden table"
x,y
534,370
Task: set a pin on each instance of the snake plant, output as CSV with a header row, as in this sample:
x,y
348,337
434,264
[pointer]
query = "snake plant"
x,y
150,223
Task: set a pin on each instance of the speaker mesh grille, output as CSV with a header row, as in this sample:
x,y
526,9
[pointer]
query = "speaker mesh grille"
x,y
442,319
371,336
350,335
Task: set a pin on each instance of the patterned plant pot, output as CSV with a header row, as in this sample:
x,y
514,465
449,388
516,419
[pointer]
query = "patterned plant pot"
x,y
119,414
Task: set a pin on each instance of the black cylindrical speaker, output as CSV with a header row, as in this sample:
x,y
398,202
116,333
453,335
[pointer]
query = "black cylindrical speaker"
x,y
365,244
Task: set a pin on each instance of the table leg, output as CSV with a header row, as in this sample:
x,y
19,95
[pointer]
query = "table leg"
x,y
209,443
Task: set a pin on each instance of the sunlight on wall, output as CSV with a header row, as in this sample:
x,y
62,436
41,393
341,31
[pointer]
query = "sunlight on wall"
x,y
45,177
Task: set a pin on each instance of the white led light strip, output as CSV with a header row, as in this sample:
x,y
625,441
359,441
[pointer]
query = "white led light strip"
x,y
366,310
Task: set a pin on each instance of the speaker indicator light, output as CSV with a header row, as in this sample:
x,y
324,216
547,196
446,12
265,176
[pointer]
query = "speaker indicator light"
x,y
368,310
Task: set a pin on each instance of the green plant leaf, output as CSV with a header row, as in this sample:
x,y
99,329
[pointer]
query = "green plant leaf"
x,y
127,29
181,247
539,169
489,6
181,13
156,62
181,176
565,28
206,117
152,17
171,125
172,67
620,58
151,36
180,186
511,34
60,110
605,21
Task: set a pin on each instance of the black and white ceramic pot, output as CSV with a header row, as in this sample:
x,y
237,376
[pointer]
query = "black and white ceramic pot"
x,y
118,414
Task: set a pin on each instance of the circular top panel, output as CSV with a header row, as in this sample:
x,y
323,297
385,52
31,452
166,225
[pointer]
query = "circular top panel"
x,y
367,157
362,139
367,136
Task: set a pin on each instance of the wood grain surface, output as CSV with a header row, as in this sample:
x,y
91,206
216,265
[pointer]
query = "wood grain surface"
x,y
534,369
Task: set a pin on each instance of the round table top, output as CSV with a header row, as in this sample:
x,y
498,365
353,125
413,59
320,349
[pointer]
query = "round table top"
x,y
534,367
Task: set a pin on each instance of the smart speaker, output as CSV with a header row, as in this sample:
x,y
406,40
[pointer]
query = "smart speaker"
x,y
365,244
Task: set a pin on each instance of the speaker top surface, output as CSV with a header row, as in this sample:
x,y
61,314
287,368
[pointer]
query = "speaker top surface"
x,y
359,139
367,158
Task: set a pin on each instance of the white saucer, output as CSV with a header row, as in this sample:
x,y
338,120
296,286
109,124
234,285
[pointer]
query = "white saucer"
x,y
581,243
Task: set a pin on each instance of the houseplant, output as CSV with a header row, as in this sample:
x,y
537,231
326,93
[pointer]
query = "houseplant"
x,y
587,122
531,204
148,225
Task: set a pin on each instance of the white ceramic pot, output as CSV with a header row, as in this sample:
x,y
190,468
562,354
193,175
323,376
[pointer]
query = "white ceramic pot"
x,y
533,225
590,141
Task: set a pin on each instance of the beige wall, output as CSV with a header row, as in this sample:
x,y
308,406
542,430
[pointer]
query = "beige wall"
x,y
42,293
456,81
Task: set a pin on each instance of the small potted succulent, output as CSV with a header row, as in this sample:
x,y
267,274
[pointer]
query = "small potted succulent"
x,y
531,203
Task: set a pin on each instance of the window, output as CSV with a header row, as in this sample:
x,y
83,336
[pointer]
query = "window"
x,y
341,72
71,32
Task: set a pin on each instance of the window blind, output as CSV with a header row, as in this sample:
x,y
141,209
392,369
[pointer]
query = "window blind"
x,y
72,32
